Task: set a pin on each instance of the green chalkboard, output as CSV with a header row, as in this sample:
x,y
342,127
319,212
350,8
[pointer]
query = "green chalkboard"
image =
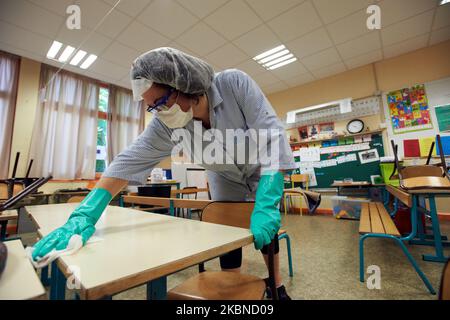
x,y
355,170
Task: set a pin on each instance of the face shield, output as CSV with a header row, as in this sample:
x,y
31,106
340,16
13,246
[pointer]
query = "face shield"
x,y
139,87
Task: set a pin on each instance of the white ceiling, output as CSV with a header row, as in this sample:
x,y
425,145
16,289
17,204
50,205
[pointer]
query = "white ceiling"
x,y
327,36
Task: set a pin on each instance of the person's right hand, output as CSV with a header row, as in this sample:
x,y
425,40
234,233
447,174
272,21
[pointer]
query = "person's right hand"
x,y
59,238
82,222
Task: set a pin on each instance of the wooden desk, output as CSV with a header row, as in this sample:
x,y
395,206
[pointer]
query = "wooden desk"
x,y
358,185
5,217
138,248
412,199
19,280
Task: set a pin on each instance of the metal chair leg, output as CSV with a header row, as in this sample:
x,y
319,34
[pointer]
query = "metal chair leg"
x,y
288,246
361,257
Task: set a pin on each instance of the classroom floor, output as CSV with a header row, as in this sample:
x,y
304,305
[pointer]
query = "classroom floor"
x,y
326,263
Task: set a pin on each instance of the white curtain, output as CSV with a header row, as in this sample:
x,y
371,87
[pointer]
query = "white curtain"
x,y
125,120
9,73
64,141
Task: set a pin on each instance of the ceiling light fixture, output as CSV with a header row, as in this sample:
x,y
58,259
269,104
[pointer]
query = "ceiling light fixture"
x,y
66,54
89,60
54,49
275,58
78,57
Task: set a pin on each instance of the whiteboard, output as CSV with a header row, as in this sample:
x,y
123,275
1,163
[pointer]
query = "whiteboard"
x,y
438,93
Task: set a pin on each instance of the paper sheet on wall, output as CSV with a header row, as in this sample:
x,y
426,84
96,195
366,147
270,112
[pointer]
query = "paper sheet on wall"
x,y
312,175
329,163
351,157
310,154
341,159
424,145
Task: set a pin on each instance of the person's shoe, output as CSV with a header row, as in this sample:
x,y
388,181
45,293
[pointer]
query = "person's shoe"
x,y
282,294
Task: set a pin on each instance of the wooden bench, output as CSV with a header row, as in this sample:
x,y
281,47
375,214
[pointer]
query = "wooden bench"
x,y
376,219
375,222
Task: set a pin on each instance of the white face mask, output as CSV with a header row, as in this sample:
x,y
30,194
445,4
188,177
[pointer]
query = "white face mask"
x,y
174,117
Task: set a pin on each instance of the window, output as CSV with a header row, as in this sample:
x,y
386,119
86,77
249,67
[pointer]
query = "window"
x,y
102,130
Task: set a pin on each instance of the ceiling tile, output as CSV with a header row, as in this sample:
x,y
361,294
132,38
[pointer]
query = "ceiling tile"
x,y
109,69
267,9
364,44
405,46
276,87
20,52
130,7
322,59
226,57
24,39
265,79
329,71
201,8
350,27
92,12
95,44
299,80
233,19
364,59
440,35
178,46
407,29
442,18
201,39
120,54
331,10
296,22
313,42
167,17
289,71
393,11
31,17
251,67
257,41
56,6
142,38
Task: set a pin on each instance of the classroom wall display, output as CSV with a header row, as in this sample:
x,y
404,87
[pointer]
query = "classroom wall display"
x,y
443,117
408,109
369,156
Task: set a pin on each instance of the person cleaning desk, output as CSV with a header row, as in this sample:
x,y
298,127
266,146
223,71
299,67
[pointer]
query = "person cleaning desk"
x,y
183,91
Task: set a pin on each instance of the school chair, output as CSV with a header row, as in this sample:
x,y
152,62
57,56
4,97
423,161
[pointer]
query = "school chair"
x,y
224,285
304,179
444,291
190,191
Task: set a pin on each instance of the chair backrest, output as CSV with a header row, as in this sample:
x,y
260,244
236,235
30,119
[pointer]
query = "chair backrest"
x,y
238,214
189,191
75,199
303,178
444,291
234,214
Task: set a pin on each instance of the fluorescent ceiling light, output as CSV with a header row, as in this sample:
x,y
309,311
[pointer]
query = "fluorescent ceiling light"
x,y
271,63
54,49
269,52
273,56
282,64
66,54
89,60
444,2
78,57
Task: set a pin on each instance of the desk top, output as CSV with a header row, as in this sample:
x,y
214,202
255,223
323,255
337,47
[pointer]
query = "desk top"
x,y
163,182
19,280
8,215
137,246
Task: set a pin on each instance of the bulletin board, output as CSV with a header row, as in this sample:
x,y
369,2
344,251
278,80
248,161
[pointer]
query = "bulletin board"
x,y
438,94
353,169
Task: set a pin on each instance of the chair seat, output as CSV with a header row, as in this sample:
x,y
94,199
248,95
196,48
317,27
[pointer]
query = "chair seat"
x,y
219,285
281,231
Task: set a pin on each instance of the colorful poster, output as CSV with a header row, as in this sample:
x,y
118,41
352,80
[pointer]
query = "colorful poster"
x,y
408,109
443,117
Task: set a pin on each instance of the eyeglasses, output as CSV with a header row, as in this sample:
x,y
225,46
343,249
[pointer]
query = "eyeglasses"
x,y
161,102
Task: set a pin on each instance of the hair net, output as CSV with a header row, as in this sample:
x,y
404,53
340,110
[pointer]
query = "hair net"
x,y
175,68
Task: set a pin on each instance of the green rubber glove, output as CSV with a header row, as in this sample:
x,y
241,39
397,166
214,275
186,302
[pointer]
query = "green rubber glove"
x,y
266,220
82,221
